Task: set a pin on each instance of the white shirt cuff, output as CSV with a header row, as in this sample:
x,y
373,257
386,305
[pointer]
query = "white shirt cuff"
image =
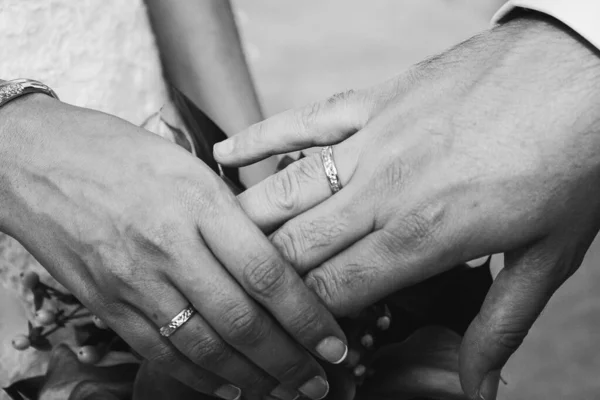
x,y
580,15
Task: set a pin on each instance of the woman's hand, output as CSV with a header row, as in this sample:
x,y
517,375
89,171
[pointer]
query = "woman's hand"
x,y
138,229
493,146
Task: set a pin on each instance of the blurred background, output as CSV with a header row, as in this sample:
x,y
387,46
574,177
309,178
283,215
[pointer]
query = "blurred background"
x,y
306,50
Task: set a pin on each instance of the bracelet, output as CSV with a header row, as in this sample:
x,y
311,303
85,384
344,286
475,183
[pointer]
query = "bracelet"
x,y
19,87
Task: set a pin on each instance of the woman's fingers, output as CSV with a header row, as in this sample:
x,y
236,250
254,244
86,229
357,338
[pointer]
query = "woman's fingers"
x,y
264,275
143,336
299,187
322,123
199,342
516,298
248,329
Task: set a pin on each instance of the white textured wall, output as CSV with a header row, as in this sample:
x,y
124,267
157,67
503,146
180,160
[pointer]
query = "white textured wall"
x,y
94,53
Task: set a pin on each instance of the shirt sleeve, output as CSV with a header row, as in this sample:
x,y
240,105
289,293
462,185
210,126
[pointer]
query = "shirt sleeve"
x,y
580,15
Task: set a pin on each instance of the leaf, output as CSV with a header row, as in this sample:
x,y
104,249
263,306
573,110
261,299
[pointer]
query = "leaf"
x,y
66,375
90,390
152,383
423,366
204,132
40,343
90,334
451,299
39,293
37,338
26,389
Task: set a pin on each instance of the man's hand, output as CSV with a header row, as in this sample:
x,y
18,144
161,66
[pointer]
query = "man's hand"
x,y
493,146
138,229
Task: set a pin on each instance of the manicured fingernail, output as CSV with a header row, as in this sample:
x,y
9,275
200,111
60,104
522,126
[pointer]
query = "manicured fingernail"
x,y
315,389
283,393
225,147
229,392
333,350
489,387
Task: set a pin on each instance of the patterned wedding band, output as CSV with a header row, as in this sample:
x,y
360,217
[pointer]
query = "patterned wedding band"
x,y
330,169
177,322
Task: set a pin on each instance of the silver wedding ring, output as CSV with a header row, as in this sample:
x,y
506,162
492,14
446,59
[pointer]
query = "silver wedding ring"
x,y
330,169
178,321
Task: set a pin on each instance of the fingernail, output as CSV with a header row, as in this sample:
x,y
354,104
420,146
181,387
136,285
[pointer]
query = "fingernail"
x,y
489,387
333,350
229,392
315,389
225,147
283,393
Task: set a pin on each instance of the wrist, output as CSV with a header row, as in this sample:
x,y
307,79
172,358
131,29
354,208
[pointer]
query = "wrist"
x,y
18,140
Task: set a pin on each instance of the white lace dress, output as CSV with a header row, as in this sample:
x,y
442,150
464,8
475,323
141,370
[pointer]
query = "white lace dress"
x,y
95,53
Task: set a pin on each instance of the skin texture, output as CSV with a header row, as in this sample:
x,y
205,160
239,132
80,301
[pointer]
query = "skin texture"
x,y
490,147
137,228
202,56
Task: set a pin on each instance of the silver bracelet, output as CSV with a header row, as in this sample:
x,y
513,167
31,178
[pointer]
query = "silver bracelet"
x,y
19,87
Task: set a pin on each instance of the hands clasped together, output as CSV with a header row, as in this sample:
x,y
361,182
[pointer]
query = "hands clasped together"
x,y
469,153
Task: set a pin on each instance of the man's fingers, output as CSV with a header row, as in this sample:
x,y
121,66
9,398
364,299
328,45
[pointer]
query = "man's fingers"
x,y
371,269
321,123
323,231
515,300
297,188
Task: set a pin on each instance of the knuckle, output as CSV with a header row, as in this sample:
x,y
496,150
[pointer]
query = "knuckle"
x,y
245,325
265,276
160,238
295,240
308,169
308,115
284,188
510,341
207,351
288,243
306,324
341,97
338,289
415,231
324,286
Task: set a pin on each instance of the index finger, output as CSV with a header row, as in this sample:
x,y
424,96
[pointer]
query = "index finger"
x,y
268,278
322,123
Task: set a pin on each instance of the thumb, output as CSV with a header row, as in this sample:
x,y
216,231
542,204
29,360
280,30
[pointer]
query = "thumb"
x,y
322,123
515,300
